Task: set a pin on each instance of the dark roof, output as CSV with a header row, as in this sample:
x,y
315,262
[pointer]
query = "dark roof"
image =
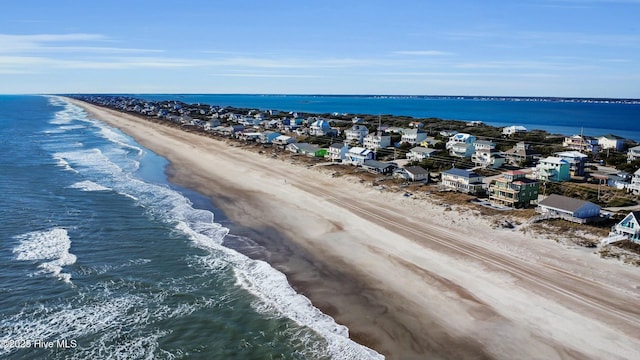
x,y
612,137
461,172
377,164
309,148
416,170
564,203
337,145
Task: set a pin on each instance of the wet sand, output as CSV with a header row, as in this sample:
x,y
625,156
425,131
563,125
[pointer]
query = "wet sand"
x,y
410,280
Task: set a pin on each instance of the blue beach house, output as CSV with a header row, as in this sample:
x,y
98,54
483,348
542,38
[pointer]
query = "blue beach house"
x,y
553,168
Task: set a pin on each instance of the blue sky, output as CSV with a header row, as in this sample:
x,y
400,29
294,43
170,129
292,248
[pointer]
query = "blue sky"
x,y
587,48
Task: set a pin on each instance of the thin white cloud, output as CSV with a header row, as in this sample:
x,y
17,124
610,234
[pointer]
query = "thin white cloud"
x,y
42,38
422,53
49,43
40,64
465,74
287,62
25,43
548,37
524,65
128,63
266,75
95,49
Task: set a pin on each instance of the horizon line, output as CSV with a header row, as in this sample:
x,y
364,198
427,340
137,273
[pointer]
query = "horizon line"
x,y
347,95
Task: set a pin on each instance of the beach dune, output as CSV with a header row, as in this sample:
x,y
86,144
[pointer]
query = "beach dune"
x,y
408,278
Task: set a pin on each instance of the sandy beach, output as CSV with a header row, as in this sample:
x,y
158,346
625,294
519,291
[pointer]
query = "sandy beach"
x,y
408,278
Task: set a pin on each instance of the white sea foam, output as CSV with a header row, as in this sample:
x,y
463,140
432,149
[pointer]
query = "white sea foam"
x,y
63,163
121,325
66,116
56,100
71,127
88,185
110,319
91,159
119,139
49,248
274,295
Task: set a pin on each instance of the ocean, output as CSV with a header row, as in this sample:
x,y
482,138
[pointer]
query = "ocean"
x,y
592,118
102,257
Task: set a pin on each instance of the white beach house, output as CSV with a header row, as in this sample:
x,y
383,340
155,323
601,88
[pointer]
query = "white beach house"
x,y
376,141
413,136
461,180
634,184
420,153
417,173
633,153
611,142
563,207
513,129
338,151
461,145
356,134
357,156
320,127
627,229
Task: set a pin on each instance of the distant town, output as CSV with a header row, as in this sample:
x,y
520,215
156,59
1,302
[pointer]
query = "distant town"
x,y
517,98
576,178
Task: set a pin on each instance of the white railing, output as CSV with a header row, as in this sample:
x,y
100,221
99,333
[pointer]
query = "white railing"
x,y
613,239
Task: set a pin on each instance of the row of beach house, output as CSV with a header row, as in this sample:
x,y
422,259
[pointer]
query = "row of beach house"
x,y
357,146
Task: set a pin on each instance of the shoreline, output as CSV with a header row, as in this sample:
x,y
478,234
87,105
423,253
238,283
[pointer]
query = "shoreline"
x,y
423,282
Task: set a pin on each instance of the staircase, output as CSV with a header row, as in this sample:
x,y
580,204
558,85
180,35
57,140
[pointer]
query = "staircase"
x,y
612,239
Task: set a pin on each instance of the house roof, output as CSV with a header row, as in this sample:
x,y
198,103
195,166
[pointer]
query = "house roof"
x,y
416,170
337,145
358,128
460,172
461,137
515,172
306,147
521,150
611,137
359,150
554,160
516,128
377,164
571,154
523,181
423,150
324,124
412,131
564,203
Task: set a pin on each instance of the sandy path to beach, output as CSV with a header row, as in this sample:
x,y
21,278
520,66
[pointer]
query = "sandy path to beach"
x,y
409,279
